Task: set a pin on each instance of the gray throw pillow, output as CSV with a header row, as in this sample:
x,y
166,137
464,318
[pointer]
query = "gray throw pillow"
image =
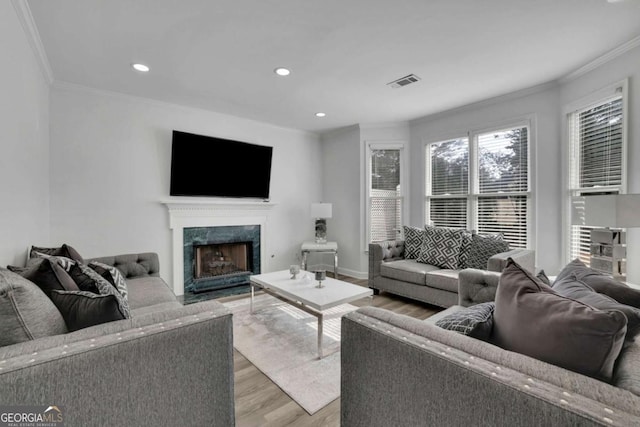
x,y
475,321
571,287
483,247
82,309
106,288
601,283
26,313
531,319
543,277
441,247
412,241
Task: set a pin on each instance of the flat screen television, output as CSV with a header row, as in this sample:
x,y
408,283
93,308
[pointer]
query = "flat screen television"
x,y
216,167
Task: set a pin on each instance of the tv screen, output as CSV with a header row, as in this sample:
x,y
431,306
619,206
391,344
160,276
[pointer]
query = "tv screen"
x,y
217,167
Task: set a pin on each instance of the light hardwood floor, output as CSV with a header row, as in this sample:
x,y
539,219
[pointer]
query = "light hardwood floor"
x,y
260,402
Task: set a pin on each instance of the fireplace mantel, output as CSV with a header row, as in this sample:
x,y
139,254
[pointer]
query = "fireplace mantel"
x,y
196,212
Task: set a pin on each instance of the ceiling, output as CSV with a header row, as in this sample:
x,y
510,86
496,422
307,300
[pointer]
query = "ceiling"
x,y
220,54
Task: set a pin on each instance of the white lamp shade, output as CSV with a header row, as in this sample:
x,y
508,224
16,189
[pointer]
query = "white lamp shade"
x,y
321,210
614,210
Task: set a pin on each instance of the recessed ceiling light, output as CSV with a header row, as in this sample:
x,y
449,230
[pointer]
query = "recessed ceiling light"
x,y
140,67
282,71
320,114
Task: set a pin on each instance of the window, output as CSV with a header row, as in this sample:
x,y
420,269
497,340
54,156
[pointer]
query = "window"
x,y
596,158
481,182
385,198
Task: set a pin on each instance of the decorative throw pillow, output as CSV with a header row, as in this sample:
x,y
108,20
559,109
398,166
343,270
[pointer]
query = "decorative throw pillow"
x,y
601,283
475,321
64,250
441,247
465,247
48,275
575,289
106,275
89,280
82,309
117,279
531,319
25,311
412,241
483,247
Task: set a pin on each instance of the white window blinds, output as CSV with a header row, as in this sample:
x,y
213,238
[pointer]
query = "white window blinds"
x,y
385,196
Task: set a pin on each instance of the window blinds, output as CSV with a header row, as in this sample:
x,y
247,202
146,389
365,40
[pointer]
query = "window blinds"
x,y
385,197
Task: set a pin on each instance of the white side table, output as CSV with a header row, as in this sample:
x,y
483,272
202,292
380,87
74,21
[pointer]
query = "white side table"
x,y
329,247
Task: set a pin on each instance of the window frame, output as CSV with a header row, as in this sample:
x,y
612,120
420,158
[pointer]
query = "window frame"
x,y
370,147
473,195
570,152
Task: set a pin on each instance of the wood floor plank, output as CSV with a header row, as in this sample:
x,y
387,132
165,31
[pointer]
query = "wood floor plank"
x,y
259,402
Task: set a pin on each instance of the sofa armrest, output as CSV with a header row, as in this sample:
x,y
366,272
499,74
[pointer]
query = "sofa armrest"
x,y
133,265
380,252
425,375
167,368
477,286
526,258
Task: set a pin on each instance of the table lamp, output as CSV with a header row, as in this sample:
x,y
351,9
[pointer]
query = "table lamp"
x,y
321,211
609,215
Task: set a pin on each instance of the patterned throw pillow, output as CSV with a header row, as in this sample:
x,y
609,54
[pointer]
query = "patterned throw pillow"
x,y
105,288
467,239
483,247
116,276
475,321
412,241
441,247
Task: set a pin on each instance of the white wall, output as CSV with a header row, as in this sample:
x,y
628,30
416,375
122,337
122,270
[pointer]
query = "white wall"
x,y
624,66
542,108
24,163
110,157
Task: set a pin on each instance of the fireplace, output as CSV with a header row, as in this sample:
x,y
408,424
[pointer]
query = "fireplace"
x,y
220,257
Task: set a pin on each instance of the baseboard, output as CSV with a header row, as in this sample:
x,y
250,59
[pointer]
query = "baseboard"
x,y
343,271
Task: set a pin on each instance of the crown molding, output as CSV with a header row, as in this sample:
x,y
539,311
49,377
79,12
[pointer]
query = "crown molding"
x,y
31,31
601,60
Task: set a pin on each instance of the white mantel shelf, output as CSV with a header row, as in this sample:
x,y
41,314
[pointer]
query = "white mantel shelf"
x,y
195,212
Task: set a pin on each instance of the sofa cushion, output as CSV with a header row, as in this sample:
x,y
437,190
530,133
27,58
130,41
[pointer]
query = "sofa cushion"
x,y
571,287
49,275
146,291
441,247
26,313
444,279
412,241
475,321
82,309
483,247
530,318
601,283
407,271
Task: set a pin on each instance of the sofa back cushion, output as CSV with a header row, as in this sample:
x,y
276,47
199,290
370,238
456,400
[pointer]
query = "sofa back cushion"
x,y
441,247
530,318
26,313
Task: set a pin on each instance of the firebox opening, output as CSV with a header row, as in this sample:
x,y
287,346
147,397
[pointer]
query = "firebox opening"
x,y
222,260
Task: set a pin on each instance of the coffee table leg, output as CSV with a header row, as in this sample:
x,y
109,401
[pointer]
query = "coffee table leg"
x,y
251,302
320,336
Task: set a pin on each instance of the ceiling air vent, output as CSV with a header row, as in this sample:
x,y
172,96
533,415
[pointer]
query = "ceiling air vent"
x,y
403,81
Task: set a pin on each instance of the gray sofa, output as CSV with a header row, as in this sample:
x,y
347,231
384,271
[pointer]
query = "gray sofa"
x,y
389,271
167,365
428,376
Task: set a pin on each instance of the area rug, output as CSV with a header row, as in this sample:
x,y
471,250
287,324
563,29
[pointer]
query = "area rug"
x,y
281,341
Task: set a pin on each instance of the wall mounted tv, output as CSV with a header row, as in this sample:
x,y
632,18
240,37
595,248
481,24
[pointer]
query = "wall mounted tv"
x,y
216,167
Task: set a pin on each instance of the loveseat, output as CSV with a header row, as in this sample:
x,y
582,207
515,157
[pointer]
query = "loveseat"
x,y
429,376
167,364
391,271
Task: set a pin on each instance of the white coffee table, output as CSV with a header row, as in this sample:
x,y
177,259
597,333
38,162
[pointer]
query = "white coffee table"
x,y
305,295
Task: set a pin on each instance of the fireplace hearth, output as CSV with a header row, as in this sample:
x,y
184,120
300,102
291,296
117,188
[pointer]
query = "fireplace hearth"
x,y
220,257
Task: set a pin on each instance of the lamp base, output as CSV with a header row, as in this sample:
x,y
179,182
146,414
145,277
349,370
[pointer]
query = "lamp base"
x,y
321,230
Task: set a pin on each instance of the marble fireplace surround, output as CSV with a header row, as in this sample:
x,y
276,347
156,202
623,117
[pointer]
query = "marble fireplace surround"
x,y
213,213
